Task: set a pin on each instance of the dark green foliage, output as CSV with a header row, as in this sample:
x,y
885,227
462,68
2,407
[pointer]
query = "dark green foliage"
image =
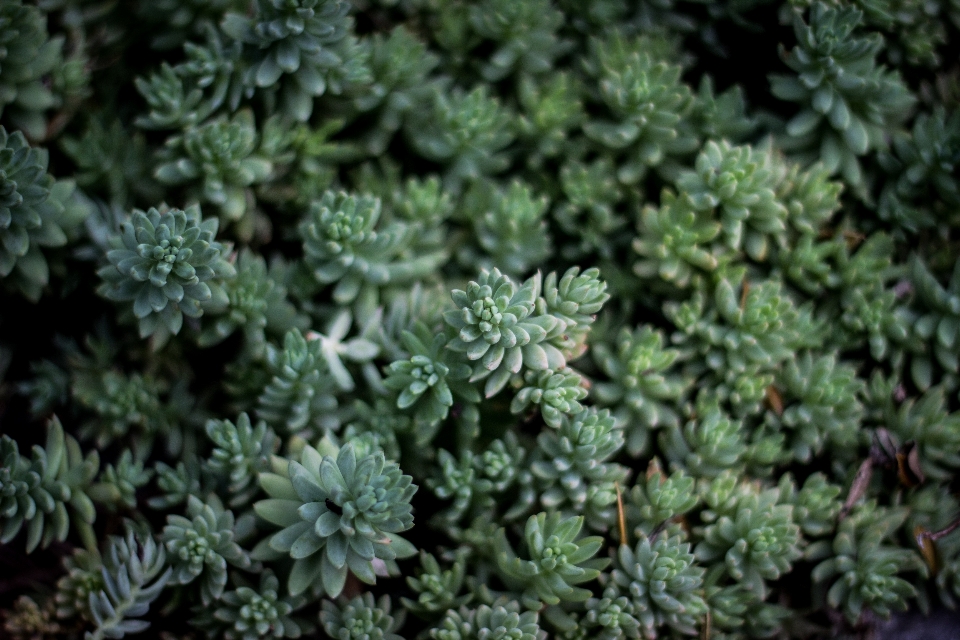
x,y
574,472
848,101
557,560
301,393
661,581
303,46
614,281
36,492
499,622
29,56
866,567
168,265
240,452
361,617
756,536
437,589
248,613
343,245
33,214
220,155
201,545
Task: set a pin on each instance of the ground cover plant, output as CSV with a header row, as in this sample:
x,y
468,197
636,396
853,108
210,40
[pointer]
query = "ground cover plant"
x,y
477,319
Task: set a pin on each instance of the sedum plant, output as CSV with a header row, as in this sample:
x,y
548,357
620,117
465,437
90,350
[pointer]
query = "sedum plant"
x,y
661,580
337,514
558,561
201,545
665,322
168,265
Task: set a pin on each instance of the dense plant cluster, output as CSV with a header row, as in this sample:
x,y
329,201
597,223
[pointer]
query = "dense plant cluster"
x,y
483,319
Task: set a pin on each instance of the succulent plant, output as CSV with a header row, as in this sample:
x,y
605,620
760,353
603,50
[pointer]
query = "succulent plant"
x,y
337,514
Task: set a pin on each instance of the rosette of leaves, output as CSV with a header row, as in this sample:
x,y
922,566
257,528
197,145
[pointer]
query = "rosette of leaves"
x,y
745,324
474,479
663,583
497,326
177,20
588,210
342,244
735,612
458,478
175,102
576,456
309,40
648,103
848,101
49,388
509,226
501,621
138,403
467,132
739,184
862,568
808,263
551,109
134,572
362,618
336,514
707,444
810,197
821,406
424,201
816,506
923,165
640,390
524,34
575,298
201,544
658,498
609,617
118,484
36,492
240,452
437,589
427,380
400,64
32,213
110,158
119,402
169,265
255,302
222,156
871,305
176,484
379,425
927,422
301,393
83,578
938,323
557,562
29,58
557,393
723,116
675,241
757,540
249,613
